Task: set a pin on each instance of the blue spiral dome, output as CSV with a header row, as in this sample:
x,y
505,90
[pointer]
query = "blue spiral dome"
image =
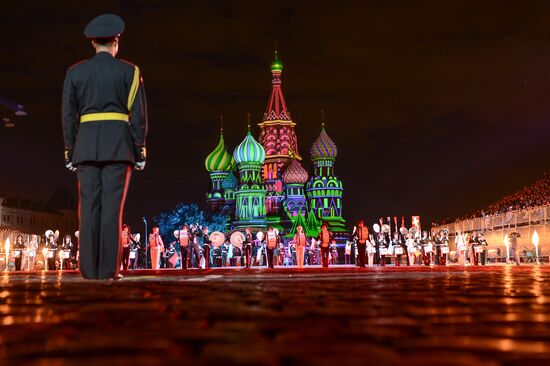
x,y
249,151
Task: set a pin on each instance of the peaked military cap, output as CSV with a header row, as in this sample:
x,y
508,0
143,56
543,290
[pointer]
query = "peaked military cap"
x,y
105,26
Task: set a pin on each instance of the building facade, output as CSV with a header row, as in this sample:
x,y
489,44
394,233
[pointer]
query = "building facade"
x,y
267,185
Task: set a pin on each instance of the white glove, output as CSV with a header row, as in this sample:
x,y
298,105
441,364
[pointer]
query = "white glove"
x,y
71,167
139,165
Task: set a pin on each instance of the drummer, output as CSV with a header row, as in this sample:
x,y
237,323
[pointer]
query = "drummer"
x,y
475,247
397,249
248,241
371,250
184,238
411,250
67,248
18,247
271,244
30,252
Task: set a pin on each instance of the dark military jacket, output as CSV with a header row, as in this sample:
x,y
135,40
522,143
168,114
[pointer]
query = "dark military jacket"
x,y
103,84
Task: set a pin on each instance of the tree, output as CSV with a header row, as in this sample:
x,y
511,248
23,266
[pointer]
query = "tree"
x,y
186,214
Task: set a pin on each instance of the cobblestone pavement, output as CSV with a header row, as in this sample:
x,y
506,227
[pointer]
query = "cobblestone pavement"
x,y
497,315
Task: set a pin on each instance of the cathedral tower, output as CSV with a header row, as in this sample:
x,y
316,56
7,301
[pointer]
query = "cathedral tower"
x,y
279,140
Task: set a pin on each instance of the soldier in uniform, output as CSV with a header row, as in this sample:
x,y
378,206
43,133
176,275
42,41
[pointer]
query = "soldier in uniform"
x,y
484,245
18,248
325,238
248,240
51,253
300,243
67,248
271,244
194,250
126,240
184,238
474,243
156,247
361,236
514,246
104,129
382,249
206,247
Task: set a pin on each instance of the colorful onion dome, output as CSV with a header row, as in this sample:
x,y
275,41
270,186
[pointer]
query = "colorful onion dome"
x,y
276,64
230,182
295,173
219,160
249,150
323,147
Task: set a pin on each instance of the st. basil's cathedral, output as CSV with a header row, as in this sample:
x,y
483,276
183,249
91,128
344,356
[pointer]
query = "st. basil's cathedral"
x,y
264,183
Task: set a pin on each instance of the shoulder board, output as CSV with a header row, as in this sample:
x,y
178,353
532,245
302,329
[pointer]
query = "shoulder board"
x,y
78,63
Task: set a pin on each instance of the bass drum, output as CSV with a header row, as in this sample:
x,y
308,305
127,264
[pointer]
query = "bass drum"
x,y
237,239
217,238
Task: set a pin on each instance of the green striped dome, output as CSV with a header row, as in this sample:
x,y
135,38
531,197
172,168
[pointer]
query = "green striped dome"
x,y
249,151
219,160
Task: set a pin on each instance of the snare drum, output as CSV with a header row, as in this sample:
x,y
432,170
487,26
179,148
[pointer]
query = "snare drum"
x,y
478,248
16,253
383,251
51,253
66,254
132,255
428,248
398,250
31,253
445,250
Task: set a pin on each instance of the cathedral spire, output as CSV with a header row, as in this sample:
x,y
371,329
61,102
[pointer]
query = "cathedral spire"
x,y
276,108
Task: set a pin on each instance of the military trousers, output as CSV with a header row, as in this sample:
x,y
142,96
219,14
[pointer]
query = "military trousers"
x,y
102,188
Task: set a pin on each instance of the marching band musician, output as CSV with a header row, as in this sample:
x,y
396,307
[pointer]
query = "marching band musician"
x,y
126,240
371,250
325,238
347,253
460,242
156,246
514,247
333,252
312,252
170,256
271,244
248,240
67,248
18,248
300,242
427,248
444,249
184,239
194,250
51,246
281,254
134,254
206,247
411,250
382,249
397,249
30,248
483,243
361,236
475,246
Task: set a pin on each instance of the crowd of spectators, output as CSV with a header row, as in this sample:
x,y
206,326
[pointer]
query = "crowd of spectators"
x,y
536,194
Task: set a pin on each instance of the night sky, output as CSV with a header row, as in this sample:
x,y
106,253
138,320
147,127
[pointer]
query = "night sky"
x,y
437,108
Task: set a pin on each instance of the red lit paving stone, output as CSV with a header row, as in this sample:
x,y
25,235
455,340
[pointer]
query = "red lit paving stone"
x,y
493,315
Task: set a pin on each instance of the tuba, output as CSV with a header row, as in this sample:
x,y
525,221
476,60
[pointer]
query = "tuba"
x,y
385,228
403,230
413,231
376,228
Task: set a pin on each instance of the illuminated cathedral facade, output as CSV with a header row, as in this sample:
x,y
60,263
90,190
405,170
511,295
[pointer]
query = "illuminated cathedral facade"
x,y
263,183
